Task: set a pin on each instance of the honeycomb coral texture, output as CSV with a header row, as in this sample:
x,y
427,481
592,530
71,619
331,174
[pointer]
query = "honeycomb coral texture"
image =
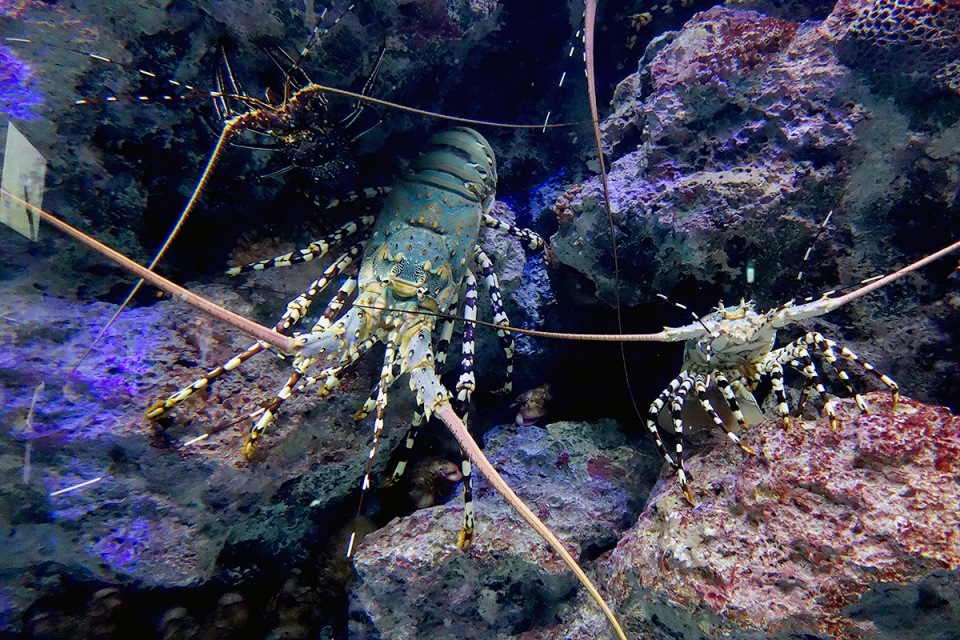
x,y
918,38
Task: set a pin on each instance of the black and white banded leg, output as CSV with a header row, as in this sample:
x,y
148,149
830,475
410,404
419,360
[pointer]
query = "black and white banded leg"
x,y
674,396
653,416
775,370
827,348
797,356
313,251
729,395
676,410
531,239
296,310
700,388
499,315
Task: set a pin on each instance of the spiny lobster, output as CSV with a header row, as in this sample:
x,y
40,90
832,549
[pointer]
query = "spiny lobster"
x,y
413,268
389,277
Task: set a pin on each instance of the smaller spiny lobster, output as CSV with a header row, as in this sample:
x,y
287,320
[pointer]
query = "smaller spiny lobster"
x,y
734,348
413,268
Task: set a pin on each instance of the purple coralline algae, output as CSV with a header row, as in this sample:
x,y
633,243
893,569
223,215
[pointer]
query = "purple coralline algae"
x,y
18,96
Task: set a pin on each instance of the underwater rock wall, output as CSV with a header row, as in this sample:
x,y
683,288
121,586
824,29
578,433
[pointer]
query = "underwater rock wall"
x,y
730,145
842,534
161,516
732,142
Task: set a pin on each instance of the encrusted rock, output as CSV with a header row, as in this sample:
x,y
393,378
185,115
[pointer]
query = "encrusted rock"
x,y
908,46
583,480
853,533
160,516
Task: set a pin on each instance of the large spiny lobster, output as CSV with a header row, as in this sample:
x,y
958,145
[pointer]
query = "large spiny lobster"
x,y
414,267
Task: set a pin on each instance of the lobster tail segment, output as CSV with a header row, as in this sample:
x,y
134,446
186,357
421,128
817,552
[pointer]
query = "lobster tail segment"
x,y
458,160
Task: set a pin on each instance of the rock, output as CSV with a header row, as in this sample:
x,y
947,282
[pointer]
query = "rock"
x,y
908,47
160,516
583,480
825,534
729,146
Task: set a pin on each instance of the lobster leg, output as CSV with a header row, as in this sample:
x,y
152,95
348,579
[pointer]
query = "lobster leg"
x,y
676,408
534,241
653,415
466,384
775,369
386,379
797,356
674,394
727,391
700,388
408,443
296,309
316,249
826,347
499,315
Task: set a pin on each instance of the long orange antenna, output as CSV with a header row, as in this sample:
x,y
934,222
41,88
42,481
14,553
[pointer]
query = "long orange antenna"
x,y
258,331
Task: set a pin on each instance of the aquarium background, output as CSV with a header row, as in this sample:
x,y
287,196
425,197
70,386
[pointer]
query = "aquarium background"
x,y
730,130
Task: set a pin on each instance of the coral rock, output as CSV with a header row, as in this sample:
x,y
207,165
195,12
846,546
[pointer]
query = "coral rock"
x,y
825,532
583,480
903,44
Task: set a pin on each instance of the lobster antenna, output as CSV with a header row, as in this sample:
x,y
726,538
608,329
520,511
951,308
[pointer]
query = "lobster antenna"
x,y
256,103
673,335
698,319
589,37
314,38
258,331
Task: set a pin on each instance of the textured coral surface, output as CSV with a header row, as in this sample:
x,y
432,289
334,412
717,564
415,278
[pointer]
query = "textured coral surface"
x,y
913,41
789,541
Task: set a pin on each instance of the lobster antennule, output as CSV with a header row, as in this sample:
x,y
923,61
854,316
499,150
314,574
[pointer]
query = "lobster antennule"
x,y
793,313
